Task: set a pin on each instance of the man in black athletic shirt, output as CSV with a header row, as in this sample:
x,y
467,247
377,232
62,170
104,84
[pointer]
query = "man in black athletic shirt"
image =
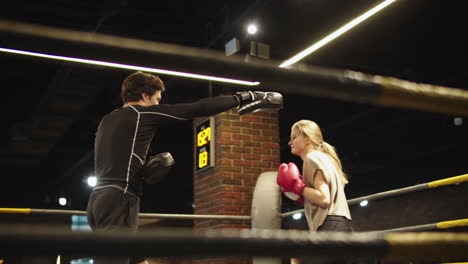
x,y
123,139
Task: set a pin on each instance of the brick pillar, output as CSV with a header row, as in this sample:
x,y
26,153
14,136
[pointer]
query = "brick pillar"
x,y
245,146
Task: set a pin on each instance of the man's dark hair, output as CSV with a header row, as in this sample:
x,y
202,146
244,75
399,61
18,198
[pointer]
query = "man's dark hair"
x,y
138,83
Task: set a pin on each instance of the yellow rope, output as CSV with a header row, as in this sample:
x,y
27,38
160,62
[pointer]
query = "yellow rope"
x,y
453,223
15,211
452,180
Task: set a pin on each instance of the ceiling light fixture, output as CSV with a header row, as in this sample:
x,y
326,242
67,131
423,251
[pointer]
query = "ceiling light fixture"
x,y
130,67
92,181
335,34
252,29
364,203
297,216
62,201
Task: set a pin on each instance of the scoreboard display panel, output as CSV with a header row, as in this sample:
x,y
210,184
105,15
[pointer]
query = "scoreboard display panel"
x,y
204,145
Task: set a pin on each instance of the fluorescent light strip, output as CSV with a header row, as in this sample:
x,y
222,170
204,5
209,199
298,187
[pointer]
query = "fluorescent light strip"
x,y
129,67
335,34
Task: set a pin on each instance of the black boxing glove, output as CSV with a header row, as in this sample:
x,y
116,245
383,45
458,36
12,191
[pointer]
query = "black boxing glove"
x,y
254,101
157,167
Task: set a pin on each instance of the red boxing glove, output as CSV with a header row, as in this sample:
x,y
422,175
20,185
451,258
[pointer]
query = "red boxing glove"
x,y
290,180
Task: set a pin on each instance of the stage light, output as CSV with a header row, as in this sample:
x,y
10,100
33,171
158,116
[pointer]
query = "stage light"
x,y
62,201
252,29
92,180
297,216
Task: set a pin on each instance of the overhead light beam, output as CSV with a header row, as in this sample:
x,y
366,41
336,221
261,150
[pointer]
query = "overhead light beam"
x,y
130,67
335,34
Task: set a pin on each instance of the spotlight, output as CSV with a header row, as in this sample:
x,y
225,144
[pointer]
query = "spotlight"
x,y
62,201
252,29
364,203
297,216
92,180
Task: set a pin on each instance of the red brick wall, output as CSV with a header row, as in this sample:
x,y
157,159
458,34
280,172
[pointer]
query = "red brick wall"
x,y
245,147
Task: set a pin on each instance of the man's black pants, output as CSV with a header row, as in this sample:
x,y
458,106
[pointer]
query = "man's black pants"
x,y
110,209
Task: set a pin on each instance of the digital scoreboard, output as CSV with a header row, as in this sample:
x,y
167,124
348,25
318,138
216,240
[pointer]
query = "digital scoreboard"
x,y
204,145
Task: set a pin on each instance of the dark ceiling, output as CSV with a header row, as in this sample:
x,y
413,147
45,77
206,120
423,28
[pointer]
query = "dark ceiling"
x,y
51,109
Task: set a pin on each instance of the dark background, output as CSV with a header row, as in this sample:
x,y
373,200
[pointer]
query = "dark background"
x,y
50,109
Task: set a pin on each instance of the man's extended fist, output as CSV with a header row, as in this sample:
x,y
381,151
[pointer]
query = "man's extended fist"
x,y
290,180
253,101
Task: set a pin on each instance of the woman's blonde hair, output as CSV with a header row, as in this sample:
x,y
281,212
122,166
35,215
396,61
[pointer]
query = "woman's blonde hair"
x,y
312,131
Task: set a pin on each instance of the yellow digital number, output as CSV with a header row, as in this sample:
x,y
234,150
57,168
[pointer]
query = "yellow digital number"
x,y
202,159
203,137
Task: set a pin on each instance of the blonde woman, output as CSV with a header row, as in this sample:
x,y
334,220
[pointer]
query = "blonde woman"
x,y
321,188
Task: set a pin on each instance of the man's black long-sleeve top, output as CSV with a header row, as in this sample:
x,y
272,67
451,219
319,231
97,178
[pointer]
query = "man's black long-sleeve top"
x,y
124,137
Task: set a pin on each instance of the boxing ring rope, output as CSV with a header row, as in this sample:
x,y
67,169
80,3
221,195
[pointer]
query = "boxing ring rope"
x,y
142,215
302,79
34,240
414,188
396,192
25,240
428,227
401,191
